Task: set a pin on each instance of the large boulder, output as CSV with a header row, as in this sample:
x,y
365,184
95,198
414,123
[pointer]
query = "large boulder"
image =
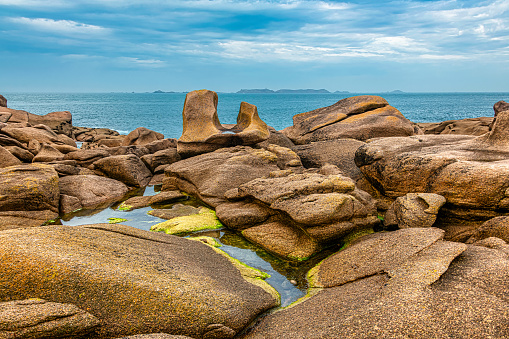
x,y
414,210
210,175
29,195
3,101
202,131
133,281
141,136
38,318
29,188
406,284
126,168
294,215
361,117
92,190
48,153
471,173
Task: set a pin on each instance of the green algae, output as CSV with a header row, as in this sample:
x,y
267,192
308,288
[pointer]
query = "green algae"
x,y
206,219
250,274
124,207
116,220
207,240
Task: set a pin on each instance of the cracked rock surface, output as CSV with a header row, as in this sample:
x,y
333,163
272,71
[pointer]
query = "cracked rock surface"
x,y
408,283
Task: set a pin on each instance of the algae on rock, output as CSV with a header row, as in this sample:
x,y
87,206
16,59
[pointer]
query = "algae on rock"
x,y
206,219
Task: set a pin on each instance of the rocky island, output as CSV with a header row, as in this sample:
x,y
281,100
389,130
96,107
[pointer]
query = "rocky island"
x,y
415,217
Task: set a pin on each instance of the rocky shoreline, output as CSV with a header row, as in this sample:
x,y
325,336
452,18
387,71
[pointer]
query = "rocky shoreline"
x,y
420,210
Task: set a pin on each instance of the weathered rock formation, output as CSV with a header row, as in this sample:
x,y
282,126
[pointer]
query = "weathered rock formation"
x,y
414,210
273,200
58,122
473,126
209,176
133,281
470,172
202,131
295,215
408,283
362,117
3,101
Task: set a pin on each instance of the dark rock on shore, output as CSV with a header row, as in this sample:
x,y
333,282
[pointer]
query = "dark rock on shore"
x,y
133,281
3,101
361,118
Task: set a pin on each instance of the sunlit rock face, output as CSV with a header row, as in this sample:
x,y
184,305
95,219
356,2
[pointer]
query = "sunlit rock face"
x,y
470,172
361,117
202,131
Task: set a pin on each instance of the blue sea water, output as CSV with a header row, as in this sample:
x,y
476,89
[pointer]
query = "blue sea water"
x,y
162,112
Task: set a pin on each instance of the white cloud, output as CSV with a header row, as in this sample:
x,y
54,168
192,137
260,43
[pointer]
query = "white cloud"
x,y
63,27
148,63
34,3
442,57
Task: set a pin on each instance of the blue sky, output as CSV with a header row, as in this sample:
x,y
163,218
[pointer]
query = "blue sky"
x,y
226,45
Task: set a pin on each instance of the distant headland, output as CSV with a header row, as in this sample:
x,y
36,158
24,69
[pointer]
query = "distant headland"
x,y
288,91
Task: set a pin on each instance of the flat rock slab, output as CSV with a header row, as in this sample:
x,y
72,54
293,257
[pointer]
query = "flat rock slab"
x,y
133,281
445,290
38,318
373,254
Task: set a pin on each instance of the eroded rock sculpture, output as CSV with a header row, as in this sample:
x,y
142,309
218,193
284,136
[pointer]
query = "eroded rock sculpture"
x,y
202,131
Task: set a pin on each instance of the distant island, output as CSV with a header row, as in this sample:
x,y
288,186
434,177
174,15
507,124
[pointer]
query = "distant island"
x,y
159,91
288,91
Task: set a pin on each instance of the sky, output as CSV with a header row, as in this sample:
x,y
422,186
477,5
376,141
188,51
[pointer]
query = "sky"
x,y
228,45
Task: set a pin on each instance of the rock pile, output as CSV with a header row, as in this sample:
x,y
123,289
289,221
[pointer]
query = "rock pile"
x,y
333,178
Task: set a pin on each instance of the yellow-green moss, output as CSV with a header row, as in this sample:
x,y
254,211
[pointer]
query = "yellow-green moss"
x,y
250,274
207,240
116,220
205,220
124,207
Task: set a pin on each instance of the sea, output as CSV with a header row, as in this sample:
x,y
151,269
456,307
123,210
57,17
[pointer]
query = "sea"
x,y
162,112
